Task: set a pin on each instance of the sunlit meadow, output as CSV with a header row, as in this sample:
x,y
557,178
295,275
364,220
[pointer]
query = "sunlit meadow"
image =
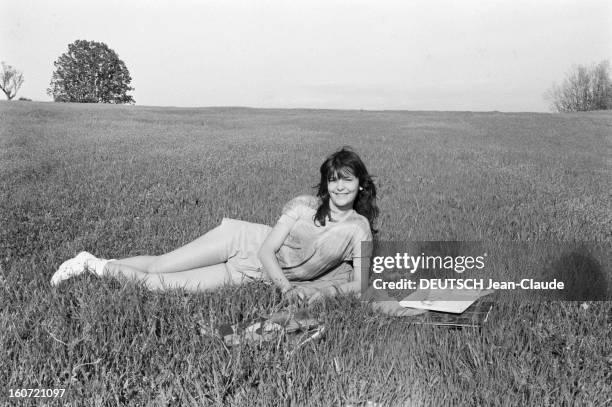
x,y
125,180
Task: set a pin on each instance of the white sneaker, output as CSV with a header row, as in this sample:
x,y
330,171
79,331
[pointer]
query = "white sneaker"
x,y
71,268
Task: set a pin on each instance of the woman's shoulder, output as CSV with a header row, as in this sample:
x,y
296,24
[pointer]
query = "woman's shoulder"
x,y
303,206
362,223
308,201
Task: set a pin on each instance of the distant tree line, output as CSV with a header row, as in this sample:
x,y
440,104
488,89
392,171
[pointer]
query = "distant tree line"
x,y
90,72
584,88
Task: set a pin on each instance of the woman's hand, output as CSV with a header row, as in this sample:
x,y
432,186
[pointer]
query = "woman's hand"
x,y
316,297
333,291
299,295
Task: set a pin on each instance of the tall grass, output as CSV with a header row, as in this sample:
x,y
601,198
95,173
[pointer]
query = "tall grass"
x,y
121,181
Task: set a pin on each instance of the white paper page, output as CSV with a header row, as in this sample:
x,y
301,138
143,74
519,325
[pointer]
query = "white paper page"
x,y
438,300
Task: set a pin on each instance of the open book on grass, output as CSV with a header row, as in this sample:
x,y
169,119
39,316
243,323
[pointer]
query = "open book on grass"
x,y
474,316
448,300
452,308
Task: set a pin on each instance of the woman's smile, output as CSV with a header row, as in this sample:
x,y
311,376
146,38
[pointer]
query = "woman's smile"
x,y
343,191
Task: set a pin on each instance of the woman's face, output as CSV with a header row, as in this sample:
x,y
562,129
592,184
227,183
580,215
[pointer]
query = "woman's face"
x,y
343,188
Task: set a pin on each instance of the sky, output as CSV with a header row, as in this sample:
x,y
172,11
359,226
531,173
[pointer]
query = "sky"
x,y
334,54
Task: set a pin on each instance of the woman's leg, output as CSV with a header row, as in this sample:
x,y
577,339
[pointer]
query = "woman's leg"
x,y
212,248
137,262
197,279
198,265
209,249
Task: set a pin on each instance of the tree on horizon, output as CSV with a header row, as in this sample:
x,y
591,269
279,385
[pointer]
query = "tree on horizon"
x,y
585,88
90,72
10,80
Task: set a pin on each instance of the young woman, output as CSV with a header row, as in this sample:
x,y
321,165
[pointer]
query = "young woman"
x,y
307,254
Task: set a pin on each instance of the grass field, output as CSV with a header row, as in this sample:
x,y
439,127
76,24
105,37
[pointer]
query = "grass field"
x,y
124,180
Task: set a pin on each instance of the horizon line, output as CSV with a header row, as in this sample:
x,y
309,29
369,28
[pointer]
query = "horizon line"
x,y
282,108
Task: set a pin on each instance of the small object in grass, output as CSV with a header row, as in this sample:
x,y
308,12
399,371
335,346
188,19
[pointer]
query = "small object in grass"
x,y
297,328
260,331
337,366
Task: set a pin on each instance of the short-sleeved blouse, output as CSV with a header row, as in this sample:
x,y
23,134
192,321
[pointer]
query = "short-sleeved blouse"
x,y
311,249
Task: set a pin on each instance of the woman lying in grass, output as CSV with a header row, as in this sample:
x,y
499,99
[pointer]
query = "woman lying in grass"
x,y
307,254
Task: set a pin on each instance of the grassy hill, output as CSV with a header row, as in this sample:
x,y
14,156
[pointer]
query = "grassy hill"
x,y
127,180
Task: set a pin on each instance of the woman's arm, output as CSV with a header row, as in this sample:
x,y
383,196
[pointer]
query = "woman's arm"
x,y
267,256
381,301
355,285
294,210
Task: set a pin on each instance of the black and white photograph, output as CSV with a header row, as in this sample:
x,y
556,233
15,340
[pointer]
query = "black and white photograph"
x,y
306,203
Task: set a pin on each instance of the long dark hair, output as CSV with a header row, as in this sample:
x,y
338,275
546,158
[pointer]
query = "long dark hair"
x,y
334,166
